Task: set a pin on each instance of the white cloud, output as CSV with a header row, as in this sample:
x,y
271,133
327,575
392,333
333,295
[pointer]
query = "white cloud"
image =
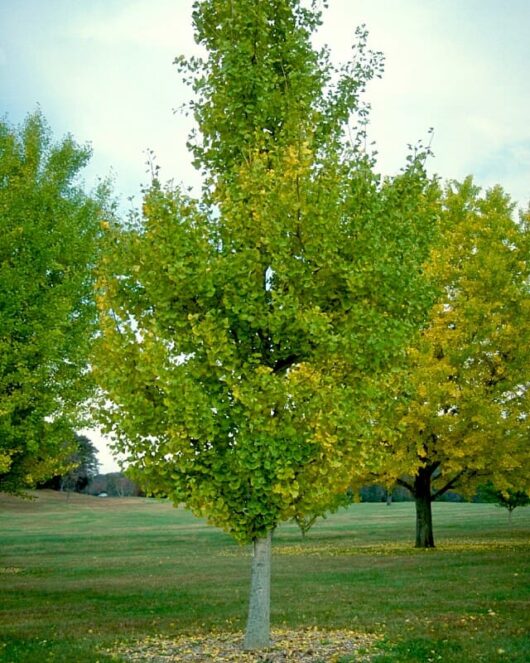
x,y
104,71
450,66
111,70
164,24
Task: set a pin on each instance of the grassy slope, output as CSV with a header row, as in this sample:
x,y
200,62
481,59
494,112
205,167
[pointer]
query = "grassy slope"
x,y
79,574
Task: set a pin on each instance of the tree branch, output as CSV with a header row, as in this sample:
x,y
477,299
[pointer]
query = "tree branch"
x,y
284,364
450,484
405,484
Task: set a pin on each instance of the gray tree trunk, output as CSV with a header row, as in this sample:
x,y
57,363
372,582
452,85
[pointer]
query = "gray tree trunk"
x,y
257,635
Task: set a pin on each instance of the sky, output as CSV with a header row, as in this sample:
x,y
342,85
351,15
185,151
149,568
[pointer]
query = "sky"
x,y
103,71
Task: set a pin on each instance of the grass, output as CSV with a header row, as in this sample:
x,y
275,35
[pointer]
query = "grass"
x,y
80,575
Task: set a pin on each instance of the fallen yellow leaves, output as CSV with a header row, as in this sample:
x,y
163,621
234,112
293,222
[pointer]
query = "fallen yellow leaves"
x,y
305,646
385,549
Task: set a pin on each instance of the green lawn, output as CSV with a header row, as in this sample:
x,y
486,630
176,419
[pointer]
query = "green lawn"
x,y
80,575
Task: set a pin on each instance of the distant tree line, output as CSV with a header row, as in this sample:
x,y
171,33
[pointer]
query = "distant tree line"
x,y
486,493
375,493
114,484
82,474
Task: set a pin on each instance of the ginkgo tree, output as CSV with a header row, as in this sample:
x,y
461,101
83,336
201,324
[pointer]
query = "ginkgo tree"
x,y
246,335
464,409
48,248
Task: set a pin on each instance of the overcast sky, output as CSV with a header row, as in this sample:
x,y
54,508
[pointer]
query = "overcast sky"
x,y
102,70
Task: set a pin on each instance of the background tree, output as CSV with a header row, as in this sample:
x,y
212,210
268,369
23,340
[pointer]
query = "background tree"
x,y
47,311
246,336
84,466
508,499
464,413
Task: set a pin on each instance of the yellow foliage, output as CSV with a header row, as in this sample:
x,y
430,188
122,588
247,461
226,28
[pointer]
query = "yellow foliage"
x,y
466,410
5,461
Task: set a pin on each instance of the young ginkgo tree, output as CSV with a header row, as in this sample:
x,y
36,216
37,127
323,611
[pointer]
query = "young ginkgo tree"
x,y
246,335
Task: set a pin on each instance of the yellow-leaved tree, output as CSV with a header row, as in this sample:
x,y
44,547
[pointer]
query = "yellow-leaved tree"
x,y
462,407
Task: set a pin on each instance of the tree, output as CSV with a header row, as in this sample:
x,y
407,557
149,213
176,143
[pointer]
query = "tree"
x,y
247,335
464,404
47,311
511,500
508,499
83,467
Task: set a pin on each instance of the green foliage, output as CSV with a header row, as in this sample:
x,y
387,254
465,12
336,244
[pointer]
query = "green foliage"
x,y
47,311
512,499
83,467
246,336
263,85
508,499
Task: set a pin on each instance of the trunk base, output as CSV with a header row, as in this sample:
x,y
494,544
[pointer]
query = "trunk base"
x,y
257,635
424,532
423,500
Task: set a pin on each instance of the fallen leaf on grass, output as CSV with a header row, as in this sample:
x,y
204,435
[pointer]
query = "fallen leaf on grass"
x,y
287,646
383,549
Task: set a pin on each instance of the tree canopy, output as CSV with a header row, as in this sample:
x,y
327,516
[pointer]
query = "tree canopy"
x,y
465,411
47,312
246,335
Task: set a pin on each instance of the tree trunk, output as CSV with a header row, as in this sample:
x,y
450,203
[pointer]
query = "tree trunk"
x,y
422,497
257,635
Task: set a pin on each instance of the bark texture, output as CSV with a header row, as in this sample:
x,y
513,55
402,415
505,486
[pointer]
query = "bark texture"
x,y
257,634
423,500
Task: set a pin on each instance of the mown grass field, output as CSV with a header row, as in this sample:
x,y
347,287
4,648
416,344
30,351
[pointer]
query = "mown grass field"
x,y
81,575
